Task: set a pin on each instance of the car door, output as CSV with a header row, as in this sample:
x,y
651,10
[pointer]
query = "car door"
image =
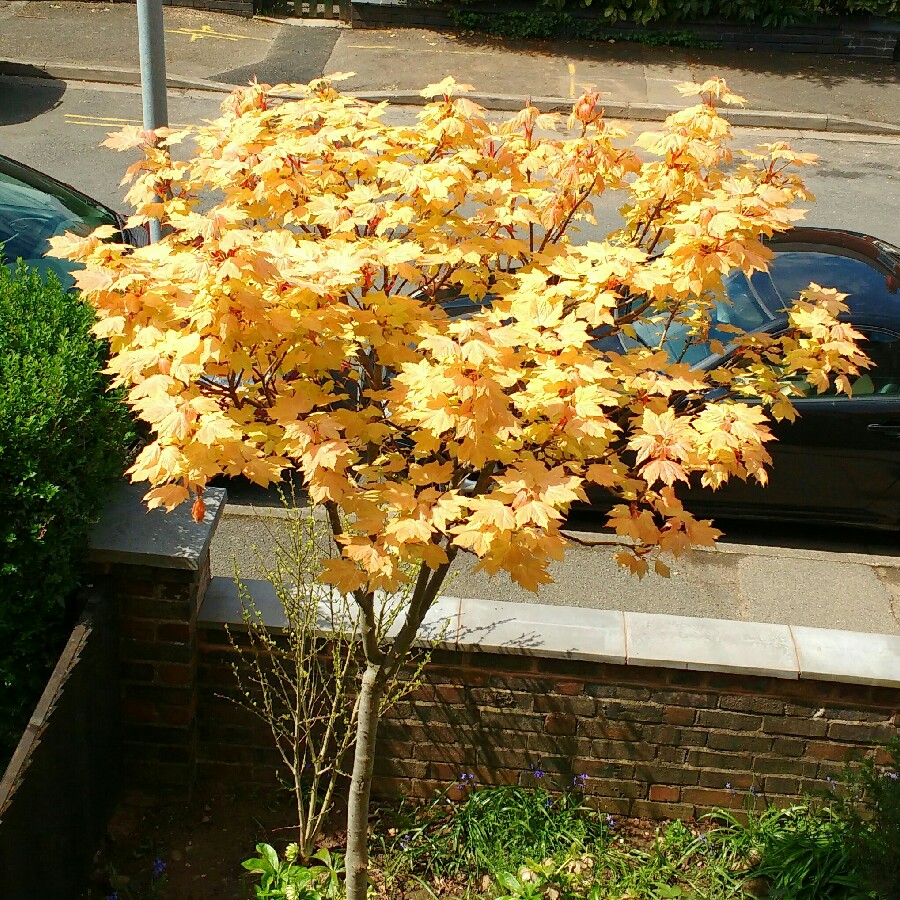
x,y
839,462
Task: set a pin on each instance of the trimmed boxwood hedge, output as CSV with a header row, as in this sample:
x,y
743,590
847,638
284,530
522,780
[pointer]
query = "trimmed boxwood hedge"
x,y
63,438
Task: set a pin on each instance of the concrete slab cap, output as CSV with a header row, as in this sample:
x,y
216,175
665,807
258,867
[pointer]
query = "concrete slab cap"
x,y
712,645
222,604
440,626
848,656
130,534
548,631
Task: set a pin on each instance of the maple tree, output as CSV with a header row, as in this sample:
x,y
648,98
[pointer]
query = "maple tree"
x,y
298,321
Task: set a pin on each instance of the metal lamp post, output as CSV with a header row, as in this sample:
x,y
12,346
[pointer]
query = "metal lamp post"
x,y
152,49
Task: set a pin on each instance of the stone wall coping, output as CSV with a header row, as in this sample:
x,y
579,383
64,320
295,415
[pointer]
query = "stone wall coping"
x,y
759,649
130,534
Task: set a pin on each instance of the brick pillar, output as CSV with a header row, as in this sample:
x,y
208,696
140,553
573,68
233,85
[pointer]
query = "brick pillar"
x,y
156,568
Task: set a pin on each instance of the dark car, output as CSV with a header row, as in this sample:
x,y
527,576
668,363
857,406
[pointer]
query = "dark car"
x,y
35,207
840,461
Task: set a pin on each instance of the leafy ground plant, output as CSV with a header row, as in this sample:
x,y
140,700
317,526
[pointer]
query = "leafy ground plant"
x,y
803,852
534,843
488,830
286,879
871,804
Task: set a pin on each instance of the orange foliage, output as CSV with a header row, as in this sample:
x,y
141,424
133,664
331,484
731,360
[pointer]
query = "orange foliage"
x,y
297,320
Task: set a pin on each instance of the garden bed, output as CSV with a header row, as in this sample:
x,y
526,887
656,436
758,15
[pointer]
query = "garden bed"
x,y
516,843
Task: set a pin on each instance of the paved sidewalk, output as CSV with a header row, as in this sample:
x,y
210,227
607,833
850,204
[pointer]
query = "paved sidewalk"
x,y
98,42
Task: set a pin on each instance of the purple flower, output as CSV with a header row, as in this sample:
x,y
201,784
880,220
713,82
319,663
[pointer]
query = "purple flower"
x,y
466,779
728,786
579,781
404,841
537,771
894,776
113,896
752,790
832,784
610,821
158,867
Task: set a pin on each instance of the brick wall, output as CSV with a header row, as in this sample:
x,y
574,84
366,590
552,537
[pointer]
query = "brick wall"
x,y
653,741
157,610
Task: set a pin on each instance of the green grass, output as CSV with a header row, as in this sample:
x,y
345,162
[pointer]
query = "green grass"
x,y
521,843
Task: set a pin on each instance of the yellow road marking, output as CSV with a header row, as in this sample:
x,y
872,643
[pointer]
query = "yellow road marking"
x,y
572,79
103,121
207,31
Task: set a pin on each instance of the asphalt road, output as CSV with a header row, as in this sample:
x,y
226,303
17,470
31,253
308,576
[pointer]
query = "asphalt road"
x,y
58,126
825,578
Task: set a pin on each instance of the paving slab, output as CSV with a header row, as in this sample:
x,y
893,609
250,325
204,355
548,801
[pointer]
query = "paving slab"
x,y
824,592
198,44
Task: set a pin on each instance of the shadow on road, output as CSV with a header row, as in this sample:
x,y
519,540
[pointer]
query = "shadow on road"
x,y
818,69
28,94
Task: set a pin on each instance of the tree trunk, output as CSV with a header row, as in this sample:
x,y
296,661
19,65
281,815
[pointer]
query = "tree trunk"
x,y
368,715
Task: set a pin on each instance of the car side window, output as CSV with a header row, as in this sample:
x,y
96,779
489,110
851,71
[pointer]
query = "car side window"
x,y
882,379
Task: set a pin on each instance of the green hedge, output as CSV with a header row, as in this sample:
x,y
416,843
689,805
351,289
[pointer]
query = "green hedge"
x,y
63,437
767,13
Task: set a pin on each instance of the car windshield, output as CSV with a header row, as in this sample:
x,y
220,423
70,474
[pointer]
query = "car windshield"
x,y
33,209
744,310
870,293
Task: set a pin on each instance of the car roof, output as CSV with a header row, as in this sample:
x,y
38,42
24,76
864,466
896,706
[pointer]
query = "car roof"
x,y
841,242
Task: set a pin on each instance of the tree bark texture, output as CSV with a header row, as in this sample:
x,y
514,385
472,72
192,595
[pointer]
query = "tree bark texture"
x,y
357,859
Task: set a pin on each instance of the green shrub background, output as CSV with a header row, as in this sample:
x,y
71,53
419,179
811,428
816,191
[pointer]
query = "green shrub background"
x,y
63,438
606,13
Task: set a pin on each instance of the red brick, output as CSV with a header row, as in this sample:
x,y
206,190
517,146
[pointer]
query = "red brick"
x,y
177,715
175,673
664,793
174,631
801,727
730,721
710,797
612,731
823,750
577,705
720,780
651,810
883,757
679,715
655,773
685,698
845,731
132,711
138,629
560,723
